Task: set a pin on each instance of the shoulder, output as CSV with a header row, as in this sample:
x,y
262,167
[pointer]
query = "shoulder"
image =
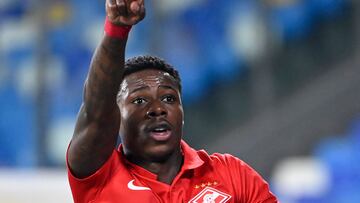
x,y
222,164
86,189
219,159
248,185
230,166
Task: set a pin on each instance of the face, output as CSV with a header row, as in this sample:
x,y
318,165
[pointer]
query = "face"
x,y
151,115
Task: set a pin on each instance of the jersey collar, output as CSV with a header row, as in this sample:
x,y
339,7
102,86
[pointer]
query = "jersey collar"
x,y
191,157
191,161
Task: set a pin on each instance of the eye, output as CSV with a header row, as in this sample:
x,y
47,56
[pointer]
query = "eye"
x,y
138,101
169,99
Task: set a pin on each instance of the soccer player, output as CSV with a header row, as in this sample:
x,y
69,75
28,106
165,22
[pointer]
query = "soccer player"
x,y
141,101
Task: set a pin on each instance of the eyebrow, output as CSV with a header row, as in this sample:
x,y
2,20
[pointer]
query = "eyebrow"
x,y
168,87
139,88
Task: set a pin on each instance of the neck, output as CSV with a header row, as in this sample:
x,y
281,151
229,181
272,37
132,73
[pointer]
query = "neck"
x,y
166,170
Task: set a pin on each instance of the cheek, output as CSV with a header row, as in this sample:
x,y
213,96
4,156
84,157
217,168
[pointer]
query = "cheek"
x,y
181,112
130,118
178,115
124,113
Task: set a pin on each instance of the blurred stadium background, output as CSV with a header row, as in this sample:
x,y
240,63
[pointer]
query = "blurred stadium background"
x,y
274,82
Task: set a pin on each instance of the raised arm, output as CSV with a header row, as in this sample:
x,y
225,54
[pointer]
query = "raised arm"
x,y
98,121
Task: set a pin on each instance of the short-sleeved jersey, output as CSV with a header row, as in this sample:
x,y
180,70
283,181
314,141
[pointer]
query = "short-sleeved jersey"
x,y
203,178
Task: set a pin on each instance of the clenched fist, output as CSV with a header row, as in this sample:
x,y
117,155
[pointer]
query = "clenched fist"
x,y
125,12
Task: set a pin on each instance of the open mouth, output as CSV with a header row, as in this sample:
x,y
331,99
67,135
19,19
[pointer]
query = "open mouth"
x,y
160,132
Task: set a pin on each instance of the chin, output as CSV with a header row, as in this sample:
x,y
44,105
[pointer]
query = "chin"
x,y
160,153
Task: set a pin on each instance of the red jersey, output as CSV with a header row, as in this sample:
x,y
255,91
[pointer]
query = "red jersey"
x,y
203,178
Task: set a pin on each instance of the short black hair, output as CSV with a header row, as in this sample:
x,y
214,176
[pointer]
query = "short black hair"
x,y
140,63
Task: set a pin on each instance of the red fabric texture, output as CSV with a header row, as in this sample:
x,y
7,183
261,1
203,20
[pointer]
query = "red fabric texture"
x,y
222,177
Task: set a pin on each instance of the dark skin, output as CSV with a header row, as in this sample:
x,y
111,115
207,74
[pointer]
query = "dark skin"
x,y
149,101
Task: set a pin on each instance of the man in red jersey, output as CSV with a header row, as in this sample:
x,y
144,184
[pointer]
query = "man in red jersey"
x,y
141,100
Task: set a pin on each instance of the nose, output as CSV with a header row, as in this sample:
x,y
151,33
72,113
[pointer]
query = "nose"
x,y
156,110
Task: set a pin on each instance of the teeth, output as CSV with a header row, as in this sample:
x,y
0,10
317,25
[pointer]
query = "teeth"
x,y
159,129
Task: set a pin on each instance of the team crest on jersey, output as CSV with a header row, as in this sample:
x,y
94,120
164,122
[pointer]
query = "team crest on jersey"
x,y
210,195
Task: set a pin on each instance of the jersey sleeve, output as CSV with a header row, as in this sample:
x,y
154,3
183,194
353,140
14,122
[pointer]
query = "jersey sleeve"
x,y
249,185
85,190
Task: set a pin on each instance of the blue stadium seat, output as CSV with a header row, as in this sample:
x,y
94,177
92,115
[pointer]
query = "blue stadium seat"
x,y
17,130
342,157
324,9
293,21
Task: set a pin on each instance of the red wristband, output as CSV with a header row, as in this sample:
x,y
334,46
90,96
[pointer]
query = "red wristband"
x,y
116,31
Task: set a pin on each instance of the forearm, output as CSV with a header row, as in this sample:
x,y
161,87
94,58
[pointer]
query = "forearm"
x,y
99,117
104,78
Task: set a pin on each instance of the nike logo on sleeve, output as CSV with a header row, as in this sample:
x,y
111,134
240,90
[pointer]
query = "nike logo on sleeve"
x,y
131,186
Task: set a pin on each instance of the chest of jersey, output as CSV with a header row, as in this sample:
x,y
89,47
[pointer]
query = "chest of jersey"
x,y
193,186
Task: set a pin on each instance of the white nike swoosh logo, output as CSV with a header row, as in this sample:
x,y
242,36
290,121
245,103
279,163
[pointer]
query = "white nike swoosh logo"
x,y
131,186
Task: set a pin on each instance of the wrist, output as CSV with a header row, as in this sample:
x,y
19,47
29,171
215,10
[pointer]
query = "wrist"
x,y
116,31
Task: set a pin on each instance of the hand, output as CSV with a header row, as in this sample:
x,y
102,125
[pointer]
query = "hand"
x,y
125,12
